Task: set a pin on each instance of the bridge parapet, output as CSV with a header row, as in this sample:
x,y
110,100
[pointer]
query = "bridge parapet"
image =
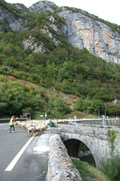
x,y
89,130
60,166
109,121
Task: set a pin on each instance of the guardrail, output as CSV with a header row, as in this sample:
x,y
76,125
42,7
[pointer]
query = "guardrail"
x,y
6,120
109,121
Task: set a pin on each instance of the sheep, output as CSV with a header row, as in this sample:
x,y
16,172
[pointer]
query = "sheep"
x,y
30,129
33,126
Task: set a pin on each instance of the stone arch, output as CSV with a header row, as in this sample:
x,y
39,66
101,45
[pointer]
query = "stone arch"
x,y
68,136
78,149
72,146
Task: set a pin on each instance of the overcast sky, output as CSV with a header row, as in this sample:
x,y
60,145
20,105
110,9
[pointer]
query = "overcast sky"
x,y
106,9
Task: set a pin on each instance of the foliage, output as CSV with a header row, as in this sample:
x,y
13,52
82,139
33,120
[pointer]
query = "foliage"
x,y
78,73
58,108
16,98
61,107
113,110
15,11
87,170
90,106
112,168
39,20
112,135
92,80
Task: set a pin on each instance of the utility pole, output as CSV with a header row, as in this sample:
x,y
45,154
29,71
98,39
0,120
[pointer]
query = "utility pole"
x,y
98,112
105,112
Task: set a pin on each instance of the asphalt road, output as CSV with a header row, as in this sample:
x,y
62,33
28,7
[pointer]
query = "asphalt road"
x,y
31,166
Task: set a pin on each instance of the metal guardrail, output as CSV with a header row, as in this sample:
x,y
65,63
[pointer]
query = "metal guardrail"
x,y
6,120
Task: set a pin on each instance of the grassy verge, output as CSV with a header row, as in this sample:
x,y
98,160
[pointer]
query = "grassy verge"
x,y
89,172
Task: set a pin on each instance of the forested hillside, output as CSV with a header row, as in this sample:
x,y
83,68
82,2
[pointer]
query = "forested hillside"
x,y
46,81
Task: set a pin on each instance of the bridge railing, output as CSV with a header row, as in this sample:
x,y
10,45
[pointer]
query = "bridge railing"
x,y
109,121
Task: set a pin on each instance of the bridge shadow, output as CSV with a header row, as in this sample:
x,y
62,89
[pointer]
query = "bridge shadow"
x,y
78,149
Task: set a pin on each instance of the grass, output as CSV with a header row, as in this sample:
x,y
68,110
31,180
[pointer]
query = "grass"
x,y
87,170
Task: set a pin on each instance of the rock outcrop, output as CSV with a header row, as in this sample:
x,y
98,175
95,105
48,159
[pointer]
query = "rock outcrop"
x,y
97,37
9,21
31,43
43,6
81,29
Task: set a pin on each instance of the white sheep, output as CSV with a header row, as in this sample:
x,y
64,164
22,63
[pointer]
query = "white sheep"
x,y
33,126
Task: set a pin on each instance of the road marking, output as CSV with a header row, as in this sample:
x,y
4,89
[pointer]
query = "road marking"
x,y
19,154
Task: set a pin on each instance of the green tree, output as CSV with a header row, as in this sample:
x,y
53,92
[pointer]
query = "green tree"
x,y
112,168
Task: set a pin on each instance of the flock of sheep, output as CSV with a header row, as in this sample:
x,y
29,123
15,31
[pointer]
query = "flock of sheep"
x,y
38,126
33,127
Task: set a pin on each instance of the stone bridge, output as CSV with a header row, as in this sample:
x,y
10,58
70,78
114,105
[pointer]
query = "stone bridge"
x,y
95,137
73,134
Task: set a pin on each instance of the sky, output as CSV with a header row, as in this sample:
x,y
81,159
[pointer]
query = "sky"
x,y
106,9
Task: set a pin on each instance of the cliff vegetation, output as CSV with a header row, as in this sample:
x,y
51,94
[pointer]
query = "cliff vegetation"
x,y
43,81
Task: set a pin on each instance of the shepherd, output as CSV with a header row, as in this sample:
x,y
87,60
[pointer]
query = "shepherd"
x,y
11,124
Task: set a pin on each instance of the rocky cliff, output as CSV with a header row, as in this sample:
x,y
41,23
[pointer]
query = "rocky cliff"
x,y
81,29
43,6
10,17
97,37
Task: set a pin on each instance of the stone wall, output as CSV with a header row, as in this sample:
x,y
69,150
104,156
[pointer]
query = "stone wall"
x,y
60,166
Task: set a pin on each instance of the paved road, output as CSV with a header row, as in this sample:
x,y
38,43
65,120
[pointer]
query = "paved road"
x,y
30,167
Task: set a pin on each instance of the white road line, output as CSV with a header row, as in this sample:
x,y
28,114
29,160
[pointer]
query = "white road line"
x,y
16,158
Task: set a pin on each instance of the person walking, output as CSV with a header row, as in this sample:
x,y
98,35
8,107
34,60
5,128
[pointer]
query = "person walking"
x,y
11,124
46,116
103,120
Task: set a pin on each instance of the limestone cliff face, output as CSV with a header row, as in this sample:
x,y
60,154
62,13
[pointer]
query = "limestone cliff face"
x,y
97,37
9,21
43,6
81,31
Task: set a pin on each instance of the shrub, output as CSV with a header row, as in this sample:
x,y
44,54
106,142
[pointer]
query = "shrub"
x,y
112,168
91,106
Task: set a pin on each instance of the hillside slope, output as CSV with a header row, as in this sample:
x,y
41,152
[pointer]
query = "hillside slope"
x,y
40,54
81,29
